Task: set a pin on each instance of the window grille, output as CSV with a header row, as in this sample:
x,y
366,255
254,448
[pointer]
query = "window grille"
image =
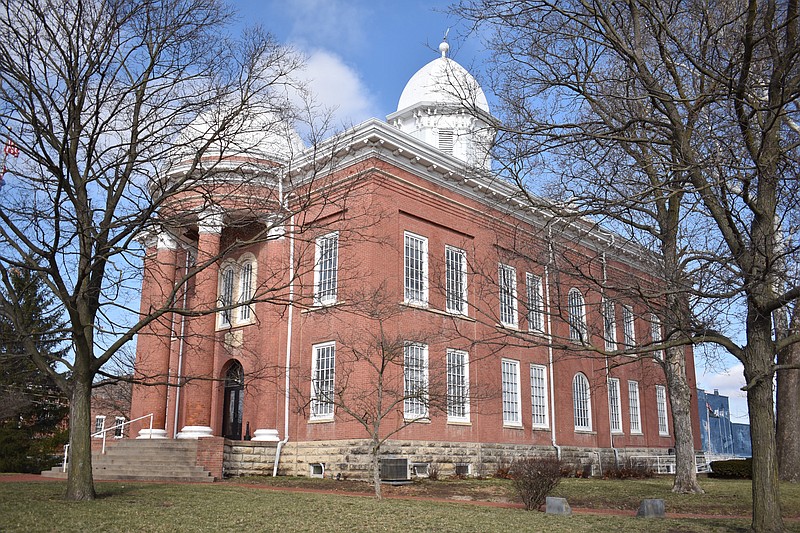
x,y
582,402
661,405
226,295
629,330
655,336
456,280
633,407
609,325
535,303
99,423
577,316
322,383
614,408
245,290
446,140
415,403
457,386
118,426
539,395
510,384
326,269
507,276
416,269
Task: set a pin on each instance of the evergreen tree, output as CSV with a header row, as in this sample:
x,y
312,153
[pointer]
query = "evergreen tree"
x,y
32,407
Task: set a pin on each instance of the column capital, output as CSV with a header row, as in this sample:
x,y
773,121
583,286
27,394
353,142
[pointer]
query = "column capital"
x,y
209,220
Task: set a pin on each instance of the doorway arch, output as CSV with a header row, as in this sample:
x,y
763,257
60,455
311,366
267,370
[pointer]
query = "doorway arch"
x,y
233,404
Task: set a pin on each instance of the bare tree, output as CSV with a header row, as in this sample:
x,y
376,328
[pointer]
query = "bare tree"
x,y
118,109
698,102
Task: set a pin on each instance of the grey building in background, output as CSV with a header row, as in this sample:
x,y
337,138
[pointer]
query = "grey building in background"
x,y
719,435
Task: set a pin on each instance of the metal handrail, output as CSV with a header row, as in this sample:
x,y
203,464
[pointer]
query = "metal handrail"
x,y
103,433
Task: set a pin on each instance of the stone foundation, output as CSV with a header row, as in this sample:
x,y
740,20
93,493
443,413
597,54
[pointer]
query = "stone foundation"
x,y
351,458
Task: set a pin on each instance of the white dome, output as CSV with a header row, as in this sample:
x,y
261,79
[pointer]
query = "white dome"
x,y
443,81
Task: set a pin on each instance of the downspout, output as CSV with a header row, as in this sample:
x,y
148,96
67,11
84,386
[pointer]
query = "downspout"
x,y
290,314
608,374
180,350
550,343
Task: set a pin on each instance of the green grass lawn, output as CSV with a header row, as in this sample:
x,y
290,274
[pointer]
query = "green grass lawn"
x,y
226,507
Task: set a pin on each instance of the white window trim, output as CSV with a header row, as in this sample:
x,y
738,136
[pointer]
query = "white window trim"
x,y
463,273
629,328
588,408
328,299
656,335
535,302
412,300
236,316
634,386
102,420
465,417
576,316
609,311
508,308
544,398
316,350
119,422
517,393
409,400
661,410
614,389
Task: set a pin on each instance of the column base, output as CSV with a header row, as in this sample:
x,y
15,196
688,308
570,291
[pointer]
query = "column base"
x,y
195,432
152,434
266,435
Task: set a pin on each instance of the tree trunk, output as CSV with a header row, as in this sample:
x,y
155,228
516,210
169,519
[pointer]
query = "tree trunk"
x,y
376,471
787,428
80,484
680,398
758,365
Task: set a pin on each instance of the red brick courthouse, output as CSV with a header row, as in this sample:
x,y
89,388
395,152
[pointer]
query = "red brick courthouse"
x,y
495,319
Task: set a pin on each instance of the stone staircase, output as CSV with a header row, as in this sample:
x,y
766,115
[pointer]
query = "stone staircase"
x,y
146,460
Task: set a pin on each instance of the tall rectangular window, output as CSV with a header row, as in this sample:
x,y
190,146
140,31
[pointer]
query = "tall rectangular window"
x,y
661,406
507,277
99,424
415,391
633,407
655,335
539,396
614,407
326,269
457,386
245,290
118,426
628,327
535,303
456,280
226,295
322,380
609,325
415,269
512,412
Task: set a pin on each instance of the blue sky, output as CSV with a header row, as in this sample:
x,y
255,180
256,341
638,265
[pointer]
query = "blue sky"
x,y
360,55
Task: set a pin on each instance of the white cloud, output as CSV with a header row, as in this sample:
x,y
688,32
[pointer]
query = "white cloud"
x,y
337,87
332,24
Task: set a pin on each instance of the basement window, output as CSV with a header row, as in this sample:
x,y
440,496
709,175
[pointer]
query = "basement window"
x,y
462,469
317,470
420,469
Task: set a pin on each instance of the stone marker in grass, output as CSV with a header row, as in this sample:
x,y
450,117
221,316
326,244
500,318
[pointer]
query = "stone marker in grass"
x,y
557,506
651,508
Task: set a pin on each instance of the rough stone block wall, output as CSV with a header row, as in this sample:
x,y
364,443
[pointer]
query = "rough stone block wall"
x,y
247,458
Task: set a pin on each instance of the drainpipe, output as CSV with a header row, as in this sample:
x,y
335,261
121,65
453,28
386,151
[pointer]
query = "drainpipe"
x,y
180,350
288,353
550,345
608,373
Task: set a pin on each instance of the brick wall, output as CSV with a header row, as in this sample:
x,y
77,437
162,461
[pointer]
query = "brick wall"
x,y
210,454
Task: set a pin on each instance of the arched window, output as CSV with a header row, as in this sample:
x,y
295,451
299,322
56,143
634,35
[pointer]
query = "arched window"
x,y
582,402
245,290
577,316
226,294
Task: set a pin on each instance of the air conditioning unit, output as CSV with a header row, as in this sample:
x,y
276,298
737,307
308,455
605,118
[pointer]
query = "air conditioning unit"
x,y
394,469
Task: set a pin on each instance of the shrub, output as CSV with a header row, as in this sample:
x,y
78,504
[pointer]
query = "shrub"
x,y
629,471
534,477
433,472
503,469
732,469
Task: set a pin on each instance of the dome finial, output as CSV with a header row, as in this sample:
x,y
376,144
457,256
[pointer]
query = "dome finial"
x,y
444,47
